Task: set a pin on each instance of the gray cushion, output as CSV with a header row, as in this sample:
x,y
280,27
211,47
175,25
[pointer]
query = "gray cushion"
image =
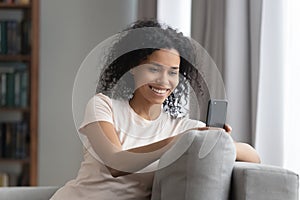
x,y
263,182
27,193
203,171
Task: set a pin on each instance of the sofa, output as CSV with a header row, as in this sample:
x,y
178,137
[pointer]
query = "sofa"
x,y
207,171
181,175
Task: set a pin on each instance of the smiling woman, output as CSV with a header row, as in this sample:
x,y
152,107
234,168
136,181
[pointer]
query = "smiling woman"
x,y
155,79
134,117
146,44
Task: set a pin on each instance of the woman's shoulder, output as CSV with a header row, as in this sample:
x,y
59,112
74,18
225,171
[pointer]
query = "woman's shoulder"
x,y
100,98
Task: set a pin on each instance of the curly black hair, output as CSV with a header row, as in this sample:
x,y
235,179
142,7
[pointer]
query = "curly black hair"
x,y
133,46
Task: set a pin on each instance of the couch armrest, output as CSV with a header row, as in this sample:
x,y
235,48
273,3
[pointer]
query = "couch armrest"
x,y
263,182
201,171
27,193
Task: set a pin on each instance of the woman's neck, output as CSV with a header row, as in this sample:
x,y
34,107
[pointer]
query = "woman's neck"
x,y
145,109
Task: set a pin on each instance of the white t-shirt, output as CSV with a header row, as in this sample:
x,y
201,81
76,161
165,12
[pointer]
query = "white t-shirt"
x,y
94,181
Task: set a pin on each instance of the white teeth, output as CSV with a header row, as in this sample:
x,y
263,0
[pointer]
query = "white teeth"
x,y
158,91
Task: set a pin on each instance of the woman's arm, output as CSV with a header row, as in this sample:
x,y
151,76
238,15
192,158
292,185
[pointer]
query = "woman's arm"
x,y
119,162
246,153
156,149
106,144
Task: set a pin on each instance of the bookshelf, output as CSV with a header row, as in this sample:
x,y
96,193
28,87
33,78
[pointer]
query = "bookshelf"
x,y
19,60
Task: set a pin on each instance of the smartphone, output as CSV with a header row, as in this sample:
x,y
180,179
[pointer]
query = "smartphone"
x,y
216,113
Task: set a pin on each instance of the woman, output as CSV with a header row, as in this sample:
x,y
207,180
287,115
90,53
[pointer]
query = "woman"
x,y
137,114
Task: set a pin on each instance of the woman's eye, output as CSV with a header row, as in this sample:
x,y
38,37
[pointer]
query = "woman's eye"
x,y
152,69
173,73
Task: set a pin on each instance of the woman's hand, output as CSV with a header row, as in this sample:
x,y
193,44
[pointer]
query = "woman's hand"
x,y
227,128
208,128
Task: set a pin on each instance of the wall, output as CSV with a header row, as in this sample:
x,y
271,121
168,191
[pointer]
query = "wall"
x,y
69,29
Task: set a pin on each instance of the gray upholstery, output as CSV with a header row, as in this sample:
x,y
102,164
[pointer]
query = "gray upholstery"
x,y
190,178
262,182
201,172
27,193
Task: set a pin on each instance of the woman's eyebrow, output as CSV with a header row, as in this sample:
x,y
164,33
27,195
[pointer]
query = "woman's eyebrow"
x,y
160,65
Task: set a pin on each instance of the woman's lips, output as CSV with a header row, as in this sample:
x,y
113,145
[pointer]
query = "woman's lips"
x,y
160,91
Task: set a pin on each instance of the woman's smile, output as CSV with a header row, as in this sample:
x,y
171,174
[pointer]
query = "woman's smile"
x,y
159,91
157,76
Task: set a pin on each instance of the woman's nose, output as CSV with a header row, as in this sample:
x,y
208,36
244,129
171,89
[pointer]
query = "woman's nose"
x,y
162,77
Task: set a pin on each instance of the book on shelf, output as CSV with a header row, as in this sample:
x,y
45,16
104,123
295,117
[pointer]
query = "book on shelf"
x,y
14,84
14,140
4,179
8,179
25,2
3,37
14,36
7,1
25,36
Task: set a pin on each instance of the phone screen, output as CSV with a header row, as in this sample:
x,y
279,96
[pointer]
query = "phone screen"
x,y
216,113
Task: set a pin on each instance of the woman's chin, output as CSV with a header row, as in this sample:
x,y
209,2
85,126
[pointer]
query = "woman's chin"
x,y
158,100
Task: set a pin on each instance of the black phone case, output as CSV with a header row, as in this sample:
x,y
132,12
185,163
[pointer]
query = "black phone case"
x,y
216,113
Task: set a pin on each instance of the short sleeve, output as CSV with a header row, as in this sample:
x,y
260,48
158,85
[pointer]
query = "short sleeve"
x,y
187,123
99,108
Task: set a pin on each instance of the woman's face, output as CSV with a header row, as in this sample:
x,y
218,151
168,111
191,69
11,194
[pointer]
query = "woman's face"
x,y
157,76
